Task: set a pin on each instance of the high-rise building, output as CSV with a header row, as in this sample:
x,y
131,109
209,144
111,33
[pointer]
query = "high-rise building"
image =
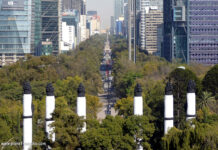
x,y
67,37
72,18
16,30
94,25
151,40
82,28
83,7
112,28
118,9
150,28
51,24
38,28
92,13
69,5
203,31
120,26
125,8
175,30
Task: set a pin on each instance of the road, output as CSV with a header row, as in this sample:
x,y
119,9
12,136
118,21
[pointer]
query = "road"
x,y
108,99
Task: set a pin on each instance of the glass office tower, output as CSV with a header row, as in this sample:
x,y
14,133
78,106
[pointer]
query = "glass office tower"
x,y
175,30
16,30
203,31
51,26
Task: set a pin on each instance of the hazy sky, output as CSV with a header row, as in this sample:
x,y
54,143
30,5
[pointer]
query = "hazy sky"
x,y
105,10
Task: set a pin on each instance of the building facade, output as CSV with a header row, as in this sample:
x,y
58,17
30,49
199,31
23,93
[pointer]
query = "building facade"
x,y
94,25
150,26
16,30
51,23
67,37
118,9
203,31
70,5
175,30
153,30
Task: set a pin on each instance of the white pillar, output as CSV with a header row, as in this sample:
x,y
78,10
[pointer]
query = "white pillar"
x,y
191,100
168,108
27,117
138,109
50,107
138,101
81,104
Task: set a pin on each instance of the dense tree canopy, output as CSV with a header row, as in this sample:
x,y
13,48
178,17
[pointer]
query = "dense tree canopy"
x,y
210,81
125,131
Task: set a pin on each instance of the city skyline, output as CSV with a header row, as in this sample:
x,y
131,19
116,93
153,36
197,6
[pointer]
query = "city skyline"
x,y
105,9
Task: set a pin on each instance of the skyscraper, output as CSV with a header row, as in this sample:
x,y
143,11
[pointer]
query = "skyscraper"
x,y
69,5
16,30
175,30
38,28
151,19
51,25
203,31
118,9
152,36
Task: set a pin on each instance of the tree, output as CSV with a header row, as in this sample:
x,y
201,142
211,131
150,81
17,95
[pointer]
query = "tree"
x,y
206,100
140,128
96,139
210,81
179,79
93,106
124,106
203,136
67,126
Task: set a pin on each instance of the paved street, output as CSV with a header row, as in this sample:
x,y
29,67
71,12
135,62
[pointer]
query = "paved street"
x,y
107,98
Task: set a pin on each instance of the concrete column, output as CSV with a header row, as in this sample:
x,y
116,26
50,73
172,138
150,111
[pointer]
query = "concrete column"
x,y
138,101
27,116
191,100
81,104
50,107
138,109
168,108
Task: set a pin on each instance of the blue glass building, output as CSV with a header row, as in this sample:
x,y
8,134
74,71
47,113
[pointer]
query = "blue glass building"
x,y
175,30
16,30
203,31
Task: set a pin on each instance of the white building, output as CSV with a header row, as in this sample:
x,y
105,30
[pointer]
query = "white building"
x,y
151,21
95,25
82,28
67,37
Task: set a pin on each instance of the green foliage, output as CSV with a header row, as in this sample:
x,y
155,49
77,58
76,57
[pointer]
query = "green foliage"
x,y
118,133
140,128
10,122
210,81
67,88
93,106
96,139
179,79
41,70
65,71
201,136
67,126
124,106
206,100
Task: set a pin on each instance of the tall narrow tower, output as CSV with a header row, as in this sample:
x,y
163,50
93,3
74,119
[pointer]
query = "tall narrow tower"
x,y
130,28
